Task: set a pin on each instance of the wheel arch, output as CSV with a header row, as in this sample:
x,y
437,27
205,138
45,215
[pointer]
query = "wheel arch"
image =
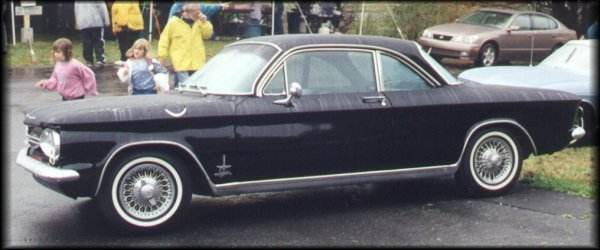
x,y
521,135
200,181
495,44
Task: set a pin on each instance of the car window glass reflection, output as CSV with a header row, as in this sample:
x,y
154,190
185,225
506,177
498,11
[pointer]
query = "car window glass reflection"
x,y
397,76
277,84
523,22
328,72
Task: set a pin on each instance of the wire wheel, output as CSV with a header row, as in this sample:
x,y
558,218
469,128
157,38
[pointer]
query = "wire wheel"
x,y
147,191
493,161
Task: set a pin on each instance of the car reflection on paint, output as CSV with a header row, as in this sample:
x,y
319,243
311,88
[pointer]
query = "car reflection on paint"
x,y
288,112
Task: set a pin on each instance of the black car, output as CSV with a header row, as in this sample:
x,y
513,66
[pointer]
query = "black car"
x,y
287,112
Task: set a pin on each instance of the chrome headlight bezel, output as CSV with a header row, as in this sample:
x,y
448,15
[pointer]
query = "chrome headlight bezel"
x,y
50,144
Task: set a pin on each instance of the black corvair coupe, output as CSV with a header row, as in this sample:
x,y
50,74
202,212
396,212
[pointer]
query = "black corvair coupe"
x,y
287,112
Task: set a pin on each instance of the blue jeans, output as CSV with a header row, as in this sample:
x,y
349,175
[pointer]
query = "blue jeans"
x,y
143,91
181,76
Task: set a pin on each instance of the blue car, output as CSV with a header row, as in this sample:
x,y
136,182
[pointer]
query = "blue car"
x,y
570,68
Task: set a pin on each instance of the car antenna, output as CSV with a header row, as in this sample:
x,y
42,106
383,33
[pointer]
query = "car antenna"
x,y
532,36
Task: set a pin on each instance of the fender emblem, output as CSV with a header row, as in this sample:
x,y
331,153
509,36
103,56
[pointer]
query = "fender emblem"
x,y
173,114
223,169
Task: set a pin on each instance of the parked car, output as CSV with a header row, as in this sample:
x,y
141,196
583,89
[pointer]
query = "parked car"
x,y
568,69
488,36
287,112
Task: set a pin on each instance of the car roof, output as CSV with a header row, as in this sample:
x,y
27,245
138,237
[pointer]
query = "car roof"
x,y
510,11
288,42
292,41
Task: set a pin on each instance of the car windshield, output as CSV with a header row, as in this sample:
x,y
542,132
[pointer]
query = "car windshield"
x,y
570,56
450,79
232,71
486,18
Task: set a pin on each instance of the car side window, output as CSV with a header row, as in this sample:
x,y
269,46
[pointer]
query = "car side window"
x,y
327,72
523,22
540,22
277,84
398,76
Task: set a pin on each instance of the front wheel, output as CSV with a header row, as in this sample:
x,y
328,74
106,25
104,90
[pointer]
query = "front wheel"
x,y
491,164
488,55
146,192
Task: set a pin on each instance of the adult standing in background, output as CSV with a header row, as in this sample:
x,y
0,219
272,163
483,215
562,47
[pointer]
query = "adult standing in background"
x,y
183,41
91,18
127,23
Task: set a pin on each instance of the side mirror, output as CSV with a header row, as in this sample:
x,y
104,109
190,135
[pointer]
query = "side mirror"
x,y
295,91
513,28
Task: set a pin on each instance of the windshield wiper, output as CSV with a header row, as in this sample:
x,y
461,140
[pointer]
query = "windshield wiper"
x,y
201,88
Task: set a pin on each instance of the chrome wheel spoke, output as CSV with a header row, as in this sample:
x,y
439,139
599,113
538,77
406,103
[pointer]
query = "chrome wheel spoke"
x,y
147,191
493,160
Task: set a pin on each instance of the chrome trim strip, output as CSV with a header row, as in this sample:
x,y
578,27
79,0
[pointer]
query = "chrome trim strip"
x,y
477,126
44,171
408,64
340,179
150,143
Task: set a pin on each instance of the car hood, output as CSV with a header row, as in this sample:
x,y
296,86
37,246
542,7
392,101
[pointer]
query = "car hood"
x,y
540,76
131,108
460,29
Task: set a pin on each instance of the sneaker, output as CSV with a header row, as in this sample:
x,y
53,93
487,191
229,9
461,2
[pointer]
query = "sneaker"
x,y
119,63
90,64
100,64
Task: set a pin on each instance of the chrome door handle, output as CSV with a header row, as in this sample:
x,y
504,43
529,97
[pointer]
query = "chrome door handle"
x,y
374,99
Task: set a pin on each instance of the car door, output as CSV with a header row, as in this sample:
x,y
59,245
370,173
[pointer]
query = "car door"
x,y
422,124
338,125
544,36
517,44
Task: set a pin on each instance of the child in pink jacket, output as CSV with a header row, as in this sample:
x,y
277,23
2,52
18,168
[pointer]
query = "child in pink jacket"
x,y
70,77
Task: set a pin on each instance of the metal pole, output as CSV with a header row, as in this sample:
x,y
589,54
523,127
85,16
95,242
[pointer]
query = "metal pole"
x,y
362,17
12,14
273,18
150,21
303,17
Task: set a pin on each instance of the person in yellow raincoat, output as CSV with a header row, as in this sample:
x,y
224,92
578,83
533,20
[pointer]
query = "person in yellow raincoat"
x,y
127,23
182,41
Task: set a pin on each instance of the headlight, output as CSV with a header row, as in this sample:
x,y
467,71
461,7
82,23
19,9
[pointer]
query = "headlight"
x,y
466,39
50,144
427,33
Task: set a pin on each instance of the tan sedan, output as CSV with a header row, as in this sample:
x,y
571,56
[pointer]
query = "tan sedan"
x,y
488,36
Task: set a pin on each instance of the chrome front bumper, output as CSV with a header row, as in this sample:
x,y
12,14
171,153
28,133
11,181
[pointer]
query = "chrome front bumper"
x,y
44,171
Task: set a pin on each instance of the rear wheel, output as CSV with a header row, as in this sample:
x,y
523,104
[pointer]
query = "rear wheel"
x,y
491,164
146,192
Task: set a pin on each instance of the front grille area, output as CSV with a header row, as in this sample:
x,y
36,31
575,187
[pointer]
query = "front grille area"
x,y
442,37
33,142
33,136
